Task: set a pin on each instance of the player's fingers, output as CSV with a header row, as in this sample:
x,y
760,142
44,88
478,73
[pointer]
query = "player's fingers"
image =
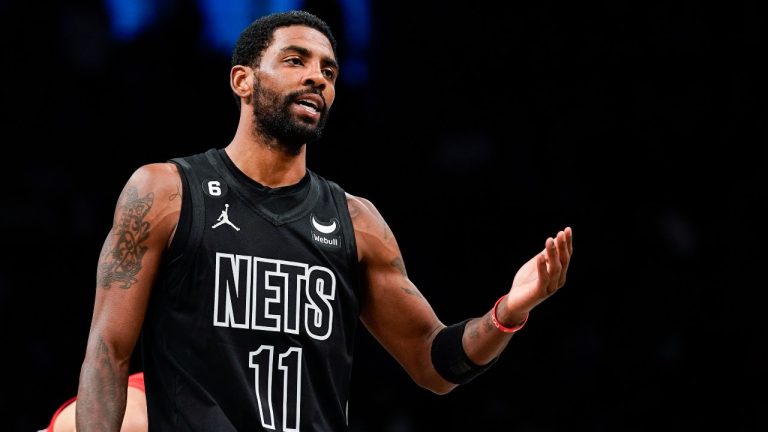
x,y
564,255
541,265
569,239
553,263
552,259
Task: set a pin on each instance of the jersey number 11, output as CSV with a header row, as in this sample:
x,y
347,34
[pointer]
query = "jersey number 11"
x,y
289,366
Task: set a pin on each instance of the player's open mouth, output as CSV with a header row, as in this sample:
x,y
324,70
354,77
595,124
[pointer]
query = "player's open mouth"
x,y
309,106
311,102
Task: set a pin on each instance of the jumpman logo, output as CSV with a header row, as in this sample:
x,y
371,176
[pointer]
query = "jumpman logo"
x,y
224,219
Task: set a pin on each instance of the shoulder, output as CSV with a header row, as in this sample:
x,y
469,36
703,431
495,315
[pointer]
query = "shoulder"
x,y
152,194
156,175
153,181
363,212
372,233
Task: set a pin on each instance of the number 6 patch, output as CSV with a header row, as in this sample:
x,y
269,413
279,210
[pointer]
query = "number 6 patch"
x,y
215,188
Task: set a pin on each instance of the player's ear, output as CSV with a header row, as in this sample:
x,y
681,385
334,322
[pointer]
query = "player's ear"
x,y
241,81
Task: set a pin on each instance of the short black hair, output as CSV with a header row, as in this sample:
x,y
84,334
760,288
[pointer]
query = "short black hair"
x,y
259,34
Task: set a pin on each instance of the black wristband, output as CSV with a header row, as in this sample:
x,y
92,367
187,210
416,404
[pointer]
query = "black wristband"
x,y
449,358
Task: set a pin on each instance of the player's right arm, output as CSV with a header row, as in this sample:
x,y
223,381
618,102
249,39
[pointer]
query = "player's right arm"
x,y
145,219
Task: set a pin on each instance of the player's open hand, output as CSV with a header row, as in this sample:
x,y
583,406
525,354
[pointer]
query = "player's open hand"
x,y
542,275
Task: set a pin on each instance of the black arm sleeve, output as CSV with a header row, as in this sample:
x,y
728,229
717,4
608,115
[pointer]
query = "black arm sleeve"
x,y
449,358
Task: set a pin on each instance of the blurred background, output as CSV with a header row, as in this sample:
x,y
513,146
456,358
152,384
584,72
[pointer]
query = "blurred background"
x,y
478,130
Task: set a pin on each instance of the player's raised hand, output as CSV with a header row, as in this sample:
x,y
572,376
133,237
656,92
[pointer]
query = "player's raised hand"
x,y
541,276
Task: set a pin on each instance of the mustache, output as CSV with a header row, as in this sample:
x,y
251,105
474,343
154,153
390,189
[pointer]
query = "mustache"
x,y
297,94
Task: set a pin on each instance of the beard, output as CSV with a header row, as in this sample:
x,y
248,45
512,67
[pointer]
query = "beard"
x,y
273,118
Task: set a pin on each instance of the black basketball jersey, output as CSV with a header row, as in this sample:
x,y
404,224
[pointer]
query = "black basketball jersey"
x,y
251,322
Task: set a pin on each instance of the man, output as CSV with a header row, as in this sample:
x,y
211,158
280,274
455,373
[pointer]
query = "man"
x,y
246,273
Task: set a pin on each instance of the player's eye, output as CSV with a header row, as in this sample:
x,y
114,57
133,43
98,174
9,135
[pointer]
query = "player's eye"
x,y
294,61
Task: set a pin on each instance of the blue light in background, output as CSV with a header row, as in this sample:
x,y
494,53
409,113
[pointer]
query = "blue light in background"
x,y
357,38
284,5
127,18
223,20
357,23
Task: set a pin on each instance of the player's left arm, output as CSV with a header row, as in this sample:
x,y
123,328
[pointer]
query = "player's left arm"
x,y
401,319
393,310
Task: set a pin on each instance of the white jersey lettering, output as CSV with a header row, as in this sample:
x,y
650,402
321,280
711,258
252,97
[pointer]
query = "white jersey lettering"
x,y
271,295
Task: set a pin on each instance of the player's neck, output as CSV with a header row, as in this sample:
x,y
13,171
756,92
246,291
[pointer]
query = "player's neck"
x,y
269,165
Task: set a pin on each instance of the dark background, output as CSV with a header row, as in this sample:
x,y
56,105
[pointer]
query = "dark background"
x,y
479,131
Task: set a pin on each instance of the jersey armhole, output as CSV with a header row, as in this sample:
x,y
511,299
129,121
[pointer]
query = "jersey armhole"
x,y
340,200
190,226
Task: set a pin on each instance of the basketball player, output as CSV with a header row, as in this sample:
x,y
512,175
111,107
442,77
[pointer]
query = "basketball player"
x,y
246,273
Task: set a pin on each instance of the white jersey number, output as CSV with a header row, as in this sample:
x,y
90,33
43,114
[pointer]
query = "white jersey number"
x,y
214,188
289,365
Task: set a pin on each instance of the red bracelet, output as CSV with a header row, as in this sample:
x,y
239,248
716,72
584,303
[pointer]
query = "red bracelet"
x,y
501,326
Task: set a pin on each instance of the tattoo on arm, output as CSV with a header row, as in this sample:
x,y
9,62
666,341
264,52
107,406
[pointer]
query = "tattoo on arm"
x,y
175,195
413,292
488,322
102,351
399,265
120,259
474,327
100,403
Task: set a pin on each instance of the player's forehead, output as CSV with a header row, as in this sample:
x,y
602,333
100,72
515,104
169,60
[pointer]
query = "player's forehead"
x,y
303,38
